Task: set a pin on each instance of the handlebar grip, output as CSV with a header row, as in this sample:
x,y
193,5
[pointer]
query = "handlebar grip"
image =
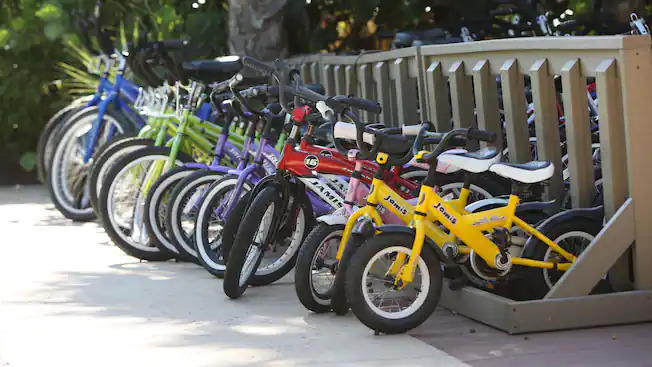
x,y
361,103
257,65
344,130
326,112
482,135
569,24
410,130
499,12
174,45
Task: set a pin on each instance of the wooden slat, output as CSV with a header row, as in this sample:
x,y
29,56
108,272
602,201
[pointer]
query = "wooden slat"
x,y
613,155
328,79
351,80
486,101
381,78
636,74
340,79
366,87
547,125
439,109
406,94
461,99
304,69
314,72
578,135
514,106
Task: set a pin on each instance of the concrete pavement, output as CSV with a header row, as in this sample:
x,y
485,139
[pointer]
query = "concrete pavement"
x,y
68,297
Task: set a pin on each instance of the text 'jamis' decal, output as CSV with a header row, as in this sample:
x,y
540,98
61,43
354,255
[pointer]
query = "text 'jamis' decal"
x,y
395,204
311,162
322,190
446,214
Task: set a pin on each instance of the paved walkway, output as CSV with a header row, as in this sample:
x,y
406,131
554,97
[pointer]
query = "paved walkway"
x,y
70,298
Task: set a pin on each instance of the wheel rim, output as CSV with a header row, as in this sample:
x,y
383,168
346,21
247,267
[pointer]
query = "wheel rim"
x,y
323,263
574,242
108,163
214,224
255,250
272,263
126,200
377,289
159,207
68,163
186,209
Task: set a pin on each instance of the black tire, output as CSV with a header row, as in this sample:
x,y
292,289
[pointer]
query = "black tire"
x,y
481,185
74,202
355,288
268,200
157,204
215,261
108,154
183,192
294,228
532,283
307,261
146,251
339,303
46,141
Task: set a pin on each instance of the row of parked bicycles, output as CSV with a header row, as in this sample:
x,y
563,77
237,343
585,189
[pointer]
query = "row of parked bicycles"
x,y
251,177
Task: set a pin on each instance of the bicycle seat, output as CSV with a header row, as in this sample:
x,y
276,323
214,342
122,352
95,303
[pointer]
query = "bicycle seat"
x,y
397,145
208,71
475,162
531,172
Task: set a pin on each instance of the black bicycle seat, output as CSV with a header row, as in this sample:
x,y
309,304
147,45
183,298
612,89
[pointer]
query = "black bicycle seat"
x,y
208,71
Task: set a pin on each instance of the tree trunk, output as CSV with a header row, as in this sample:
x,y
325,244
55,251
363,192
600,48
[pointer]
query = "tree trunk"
x,y
256,29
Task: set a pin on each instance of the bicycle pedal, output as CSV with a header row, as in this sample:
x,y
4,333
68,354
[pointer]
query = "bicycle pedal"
x,y
456,284
453,271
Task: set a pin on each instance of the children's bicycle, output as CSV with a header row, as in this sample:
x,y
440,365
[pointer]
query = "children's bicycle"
x,y
394,281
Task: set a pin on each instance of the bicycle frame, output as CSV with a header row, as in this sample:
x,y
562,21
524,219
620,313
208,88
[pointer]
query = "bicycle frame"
x,y
383,194
468,228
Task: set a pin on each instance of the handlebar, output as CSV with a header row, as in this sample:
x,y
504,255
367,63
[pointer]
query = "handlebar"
x,y
258,66
456,137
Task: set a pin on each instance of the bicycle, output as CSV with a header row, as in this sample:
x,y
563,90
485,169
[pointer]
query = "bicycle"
x,y
413,255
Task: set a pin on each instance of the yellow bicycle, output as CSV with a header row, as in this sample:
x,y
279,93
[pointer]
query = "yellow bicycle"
x,y
393,282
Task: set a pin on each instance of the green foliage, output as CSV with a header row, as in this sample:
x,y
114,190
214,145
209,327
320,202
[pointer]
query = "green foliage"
x,y
42,63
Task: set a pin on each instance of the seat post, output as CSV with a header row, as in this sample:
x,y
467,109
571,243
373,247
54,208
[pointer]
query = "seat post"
x,y
527,192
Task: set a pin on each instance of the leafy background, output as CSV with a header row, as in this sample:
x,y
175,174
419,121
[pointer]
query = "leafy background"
x,y
42,62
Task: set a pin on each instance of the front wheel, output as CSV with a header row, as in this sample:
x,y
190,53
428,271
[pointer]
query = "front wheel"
x,y
374,298
122,200
314,273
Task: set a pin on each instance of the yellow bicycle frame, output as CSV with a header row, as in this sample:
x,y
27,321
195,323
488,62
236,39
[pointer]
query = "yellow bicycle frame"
x,y
469,228
383,194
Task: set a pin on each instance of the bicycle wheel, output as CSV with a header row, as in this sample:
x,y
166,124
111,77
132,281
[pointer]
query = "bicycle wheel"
x,y
122,200
213,230
247,251
68,180
254,259
183,207
157,205
573,235
46,141
370,289
314,273
104,159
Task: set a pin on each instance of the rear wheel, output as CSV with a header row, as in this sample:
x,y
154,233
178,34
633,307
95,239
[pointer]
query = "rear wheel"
x,y
573,235
374,298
